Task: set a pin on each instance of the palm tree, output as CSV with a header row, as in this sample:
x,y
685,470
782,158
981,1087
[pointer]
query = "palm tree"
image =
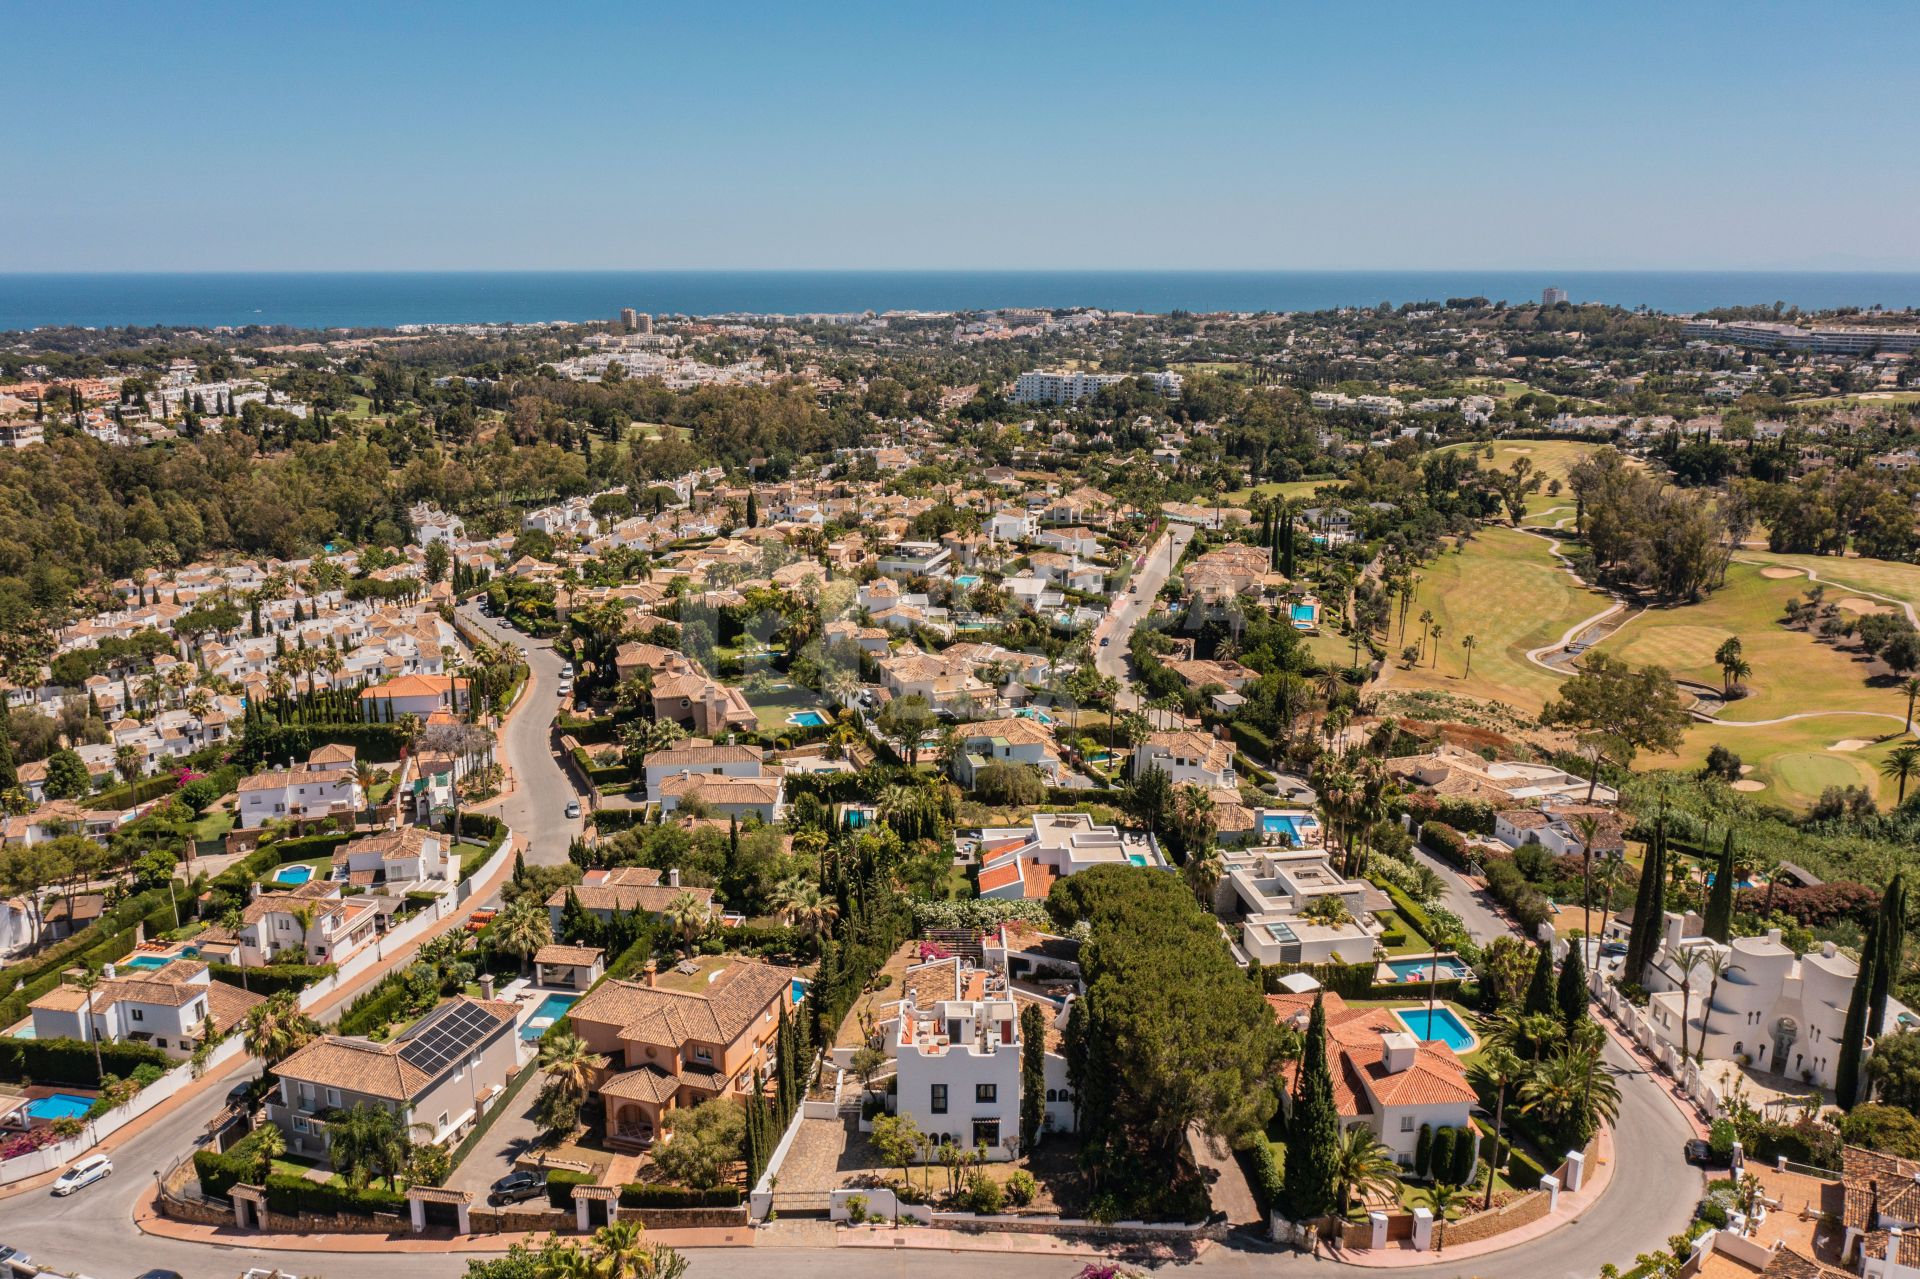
x,y
521,929
800,902
1204,867
1733,668
688,916
1716,962
1497,1069
1588,824
275,1028
1436,630
367,1142
269,1144
1611,872
1681,957
1361,1163
568,1062
1900,764
1470,643
1443,1198
1911,687
88,980
1573,1091
1735,674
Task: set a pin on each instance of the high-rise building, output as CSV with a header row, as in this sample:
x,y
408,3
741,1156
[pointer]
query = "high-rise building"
x,y
1040,387
644,324
629,319
1550,296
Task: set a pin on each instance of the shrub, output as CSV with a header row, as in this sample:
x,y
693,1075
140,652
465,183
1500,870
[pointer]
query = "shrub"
x,y
1263,1174
560,1184
1442,1165
272,978
984,1195
1444,839
70,1061
641,1195
856,1208
1021,1188
292,1195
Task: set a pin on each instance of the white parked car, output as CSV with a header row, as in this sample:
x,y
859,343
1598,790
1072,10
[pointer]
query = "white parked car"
x,y
89,1170
573,808
566,672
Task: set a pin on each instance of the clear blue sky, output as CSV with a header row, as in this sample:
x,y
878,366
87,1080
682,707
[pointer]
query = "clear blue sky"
x,y
264,136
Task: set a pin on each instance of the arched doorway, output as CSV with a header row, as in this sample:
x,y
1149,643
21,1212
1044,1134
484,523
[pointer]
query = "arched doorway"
x,y
1785,1032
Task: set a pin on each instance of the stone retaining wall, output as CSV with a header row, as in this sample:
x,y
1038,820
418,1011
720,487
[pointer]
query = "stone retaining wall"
x,y
1529,1207
1116,1232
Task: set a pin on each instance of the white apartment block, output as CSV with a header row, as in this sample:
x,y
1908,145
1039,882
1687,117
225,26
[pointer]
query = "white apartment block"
x,y
1044,387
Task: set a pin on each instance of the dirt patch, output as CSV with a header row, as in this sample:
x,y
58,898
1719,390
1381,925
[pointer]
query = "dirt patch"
x,y
1854,605
1776,572
1850,744
1747,784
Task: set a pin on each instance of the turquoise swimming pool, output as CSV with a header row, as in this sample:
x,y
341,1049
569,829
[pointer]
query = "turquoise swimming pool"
x,y
966,579
1281,824
60,1105
1035,714
1305,613
807,719
1448,967
147,961
1441,1024
551,1009
1138,859
293,874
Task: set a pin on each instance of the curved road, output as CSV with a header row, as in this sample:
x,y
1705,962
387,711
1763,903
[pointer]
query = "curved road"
x,y
1116,629
92,1233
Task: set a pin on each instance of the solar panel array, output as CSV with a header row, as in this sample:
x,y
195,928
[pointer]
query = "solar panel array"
x,y
447,1037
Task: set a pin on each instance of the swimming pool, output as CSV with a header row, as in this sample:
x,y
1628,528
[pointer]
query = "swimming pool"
x,y
1038,716
1738,883
551,1009
1281,824
293,875
60,1105
1416,969
1138,859
1305,613
148,961
799,989
1442,1024
807,719
966,579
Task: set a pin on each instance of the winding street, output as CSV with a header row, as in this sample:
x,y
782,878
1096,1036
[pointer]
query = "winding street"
x,y
1112,635
93,1233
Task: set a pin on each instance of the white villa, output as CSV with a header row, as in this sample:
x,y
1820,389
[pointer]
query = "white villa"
x,y
1017,862
172,1007
1273,889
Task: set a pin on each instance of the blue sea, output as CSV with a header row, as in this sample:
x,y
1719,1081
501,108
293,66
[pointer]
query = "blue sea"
x,y
314,300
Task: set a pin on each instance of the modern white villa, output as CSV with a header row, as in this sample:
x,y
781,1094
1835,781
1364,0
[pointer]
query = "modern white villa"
x,y
1023,861
1285,900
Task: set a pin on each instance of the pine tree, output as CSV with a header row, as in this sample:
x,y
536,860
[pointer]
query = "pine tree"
x,y
1540,989
1571,995
1846,1076
1314,1127
1719,925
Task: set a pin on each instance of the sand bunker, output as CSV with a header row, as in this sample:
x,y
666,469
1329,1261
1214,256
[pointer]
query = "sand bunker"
x,y
1850,744
1856,605
1776,572
1744,785
1745,769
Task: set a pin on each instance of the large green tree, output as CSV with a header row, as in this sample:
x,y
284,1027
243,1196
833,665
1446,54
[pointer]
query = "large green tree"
x,y
1617,711
1313,1127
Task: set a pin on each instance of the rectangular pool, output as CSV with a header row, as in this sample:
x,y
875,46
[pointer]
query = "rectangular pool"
x,y
61,1105
1416,969
1442,1025
551,1009
147,961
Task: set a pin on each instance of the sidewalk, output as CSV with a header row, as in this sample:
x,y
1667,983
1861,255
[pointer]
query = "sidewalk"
x,y
1402,1255
797,1234
1667,1083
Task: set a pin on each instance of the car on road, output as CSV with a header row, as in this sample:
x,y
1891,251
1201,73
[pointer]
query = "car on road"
x,y
158,1274
573,808
12,1256
1613,948
1105,640
518,1187
566,671
565,689
1701,1153
83,1174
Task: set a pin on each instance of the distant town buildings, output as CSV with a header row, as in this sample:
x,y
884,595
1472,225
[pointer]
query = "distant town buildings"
x,y
1792,337
1552,296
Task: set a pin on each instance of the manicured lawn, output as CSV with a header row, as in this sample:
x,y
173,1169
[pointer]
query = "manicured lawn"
x,y
1295,490
322,867
472,856
1792,671
213,825
1792,761
1414,943
1886,577
1507,590
772,709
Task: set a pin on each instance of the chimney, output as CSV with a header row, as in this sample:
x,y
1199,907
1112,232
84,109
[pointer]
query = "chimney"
x,y
1398,1051
673,877
106,972
652,971
486,986
1827,950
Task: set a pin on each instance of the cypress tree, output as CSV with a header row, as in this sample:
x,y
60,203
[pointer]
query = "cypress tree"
x,y
1540,989
1846,1077
783,1080
1443,1153
1719,925
1033,1075
9,775
1461,1172
1571,995
1423,1151
1314,1129
1649,904
1893,942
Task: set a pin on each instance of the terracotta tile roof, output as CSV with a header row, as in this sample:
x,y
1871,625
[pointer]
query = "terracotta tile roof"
x,y
722,790
377,1070
229,1005
555,953
1436,1076
1876,1182
403,844
1001,876
729,1006
651,898
696,752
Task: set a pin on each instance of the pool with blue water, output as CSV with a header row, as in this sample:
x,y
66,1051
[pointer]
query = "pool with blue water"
x,y
1442,1024
551,1009
60,1105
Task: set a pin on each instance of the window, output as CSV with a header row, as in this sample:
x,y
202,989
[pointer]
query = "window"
x,y
139,1014
983,1093
443,1122
333,1096
1406,1123
1050,1095
939,1102
299,1124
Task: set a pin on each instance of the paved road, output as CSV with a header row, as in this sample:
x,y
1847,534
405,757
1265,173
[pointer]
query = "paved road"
x,y
537,810
1128,609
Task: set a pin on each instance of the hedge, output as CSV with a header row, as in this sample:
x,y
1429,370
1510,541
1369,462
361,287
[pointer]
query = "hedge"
x,y
70,1061
1443,838
1264,1177
560,1184
1410,910
1091,795
373,741
108,940
378,1007
1251,739
293,1195
639,1195
1355,981
133,794
271,979
606,820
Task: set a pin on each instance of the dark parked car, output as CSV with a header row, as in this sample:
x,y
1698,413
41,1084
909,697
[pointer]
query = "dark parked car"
x,y
1701,1153
159,1274
518,1187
